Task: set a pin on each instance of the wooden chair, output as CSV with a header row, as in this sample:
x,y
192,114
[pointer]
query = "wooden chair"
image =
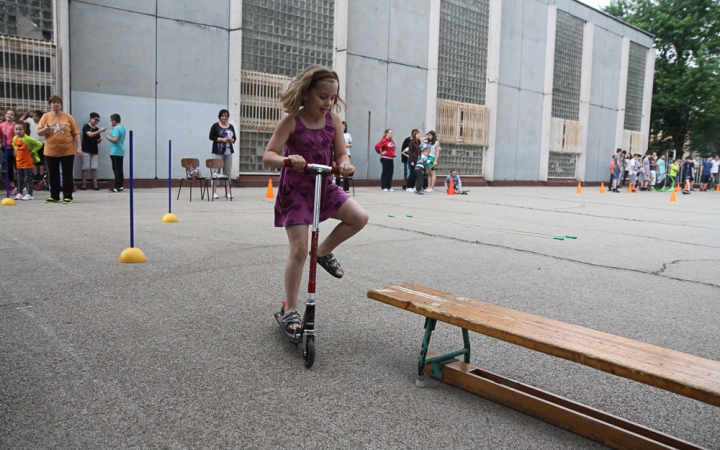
x,y
216,166
191,163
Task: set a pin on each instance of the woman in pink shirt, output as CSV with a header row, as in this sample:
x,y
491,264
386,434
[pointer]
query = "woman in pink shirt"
x,y
7,133
386,149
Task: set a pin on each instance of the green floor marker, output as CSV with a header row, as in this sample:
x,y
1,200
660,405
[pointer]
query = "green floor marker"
x,y
571,237
408,215
390,215
559,238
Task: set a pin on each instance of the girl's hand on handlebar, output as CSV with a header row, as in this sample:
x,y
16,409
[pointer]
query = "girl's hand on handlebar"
x,y
346,169
297,162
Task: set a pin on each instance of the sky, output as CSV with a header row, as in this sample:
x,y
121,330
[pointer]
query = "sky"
x,y
597,4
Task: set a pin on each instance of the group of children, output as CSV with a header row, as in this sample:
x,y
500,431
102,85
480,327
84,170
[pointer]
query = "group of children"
x,y
706,171
24,148
423,165
23,152
652,172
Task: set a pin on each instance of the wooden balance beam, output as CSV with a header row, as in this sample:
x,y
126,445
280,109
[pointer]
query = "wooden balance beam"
x,y
677,372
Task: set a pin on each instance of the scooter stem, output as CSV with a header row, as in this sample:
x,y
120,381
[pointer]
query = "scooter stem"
x,y
315,234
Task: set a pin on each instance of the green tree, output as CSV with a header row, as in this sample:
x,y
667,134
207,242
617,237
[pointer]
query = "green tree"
x,y
686,91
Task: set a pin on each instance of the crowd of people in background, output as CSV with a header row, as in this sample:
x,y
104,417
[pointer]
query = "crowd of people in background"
x,y
652,172
39,151
419,156
39,147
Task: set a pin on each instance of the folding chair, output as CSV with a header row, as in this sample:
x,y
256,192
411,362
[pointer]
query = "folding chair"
x,y
191,163
216,166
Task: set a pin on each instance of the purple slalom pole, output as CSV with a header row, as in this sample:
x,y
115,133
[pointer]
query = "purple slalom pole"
x,y
7,170
132,228
170,176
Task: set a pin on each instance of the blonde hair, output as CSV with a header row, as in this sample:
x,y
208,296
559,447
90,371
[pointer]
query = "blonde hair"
x,y
292,98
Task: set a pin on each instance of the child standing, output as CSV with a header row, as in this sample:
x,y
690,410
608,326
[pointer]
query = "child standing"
x,y
419,170
117,151
674,169
310,132
26,149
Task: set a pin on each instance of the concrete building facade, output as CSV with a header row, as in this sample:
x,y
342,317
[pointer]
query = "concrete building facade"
x,y
518,90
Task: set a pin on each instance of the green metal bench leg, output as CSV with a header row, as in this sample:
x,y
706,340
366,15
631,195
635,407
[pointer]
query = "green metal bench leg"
x,y
437,362
429,327
466,343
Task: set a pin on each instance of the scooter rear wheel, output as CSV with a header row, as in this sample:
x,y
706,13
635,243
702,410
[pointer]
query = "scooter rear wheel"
x,y
309,351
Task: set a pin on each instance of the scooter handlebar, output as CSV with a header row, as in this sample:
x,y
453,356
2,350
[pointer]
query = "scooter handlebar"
x,y
315,167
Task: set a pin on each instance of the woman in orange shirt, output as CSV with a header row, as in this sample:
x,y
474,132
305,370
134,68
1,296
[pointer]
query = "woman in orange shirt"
x,y
62,144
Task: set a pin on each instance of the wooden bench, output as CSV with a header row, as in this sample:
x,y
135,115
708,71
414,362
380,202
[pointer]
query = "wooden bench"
x,y
677,372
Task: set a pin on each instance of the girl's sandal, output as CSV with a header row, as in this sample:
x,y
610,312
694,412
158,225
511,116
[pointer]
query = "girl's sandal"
x,y
291,323
329,263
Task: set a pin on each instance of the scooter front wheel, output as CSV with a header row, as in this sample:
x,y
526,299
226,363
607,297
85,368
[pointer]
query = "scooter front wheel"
x,y
309,351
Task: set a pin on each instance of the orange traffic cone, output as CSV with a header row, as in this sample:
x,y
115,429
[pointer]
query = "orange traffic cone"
x,y
451,188
630,189
672,196
687,185
602,188
270,190
677,187
579,189
717,187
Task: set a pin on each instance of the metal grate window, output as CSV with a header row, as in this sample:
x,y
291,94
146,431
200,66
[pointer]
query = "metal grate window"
x,y
250,146
27,73
635,87
27,18
562,165
283,37
467,159
462,60
260,106
568,67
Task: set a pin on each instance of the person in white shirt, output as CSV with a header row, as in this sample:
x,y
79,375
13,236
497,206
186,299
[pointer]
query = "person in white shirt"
x,y
715,170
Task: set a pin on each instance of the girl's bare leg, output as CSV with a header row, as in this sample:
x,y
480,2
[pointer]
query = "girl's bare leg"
x,y
298,240
353,218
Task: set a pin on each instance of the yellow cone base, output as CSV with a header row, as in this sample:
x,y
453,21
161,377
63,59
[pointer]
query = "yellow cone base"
x,y
7,202
169,218
132,255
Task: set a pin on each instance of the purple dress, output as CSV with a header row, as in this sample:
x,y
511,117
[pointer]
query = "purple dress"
x,y
296,192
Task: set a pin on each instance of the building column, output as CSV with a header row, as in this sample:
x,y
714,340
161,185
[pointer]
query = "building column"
x,y
622,93
62,41
492,86
340,53
235,72
432,73
585,86
547,92
647,98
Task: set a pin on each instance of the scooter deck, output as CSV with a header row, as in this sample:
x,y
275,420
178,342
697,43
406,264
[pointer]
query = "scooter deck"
x,y
293,338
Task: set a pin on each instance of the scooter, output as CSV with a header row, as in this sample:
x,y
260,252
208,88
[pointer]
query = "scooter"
x,y
306,331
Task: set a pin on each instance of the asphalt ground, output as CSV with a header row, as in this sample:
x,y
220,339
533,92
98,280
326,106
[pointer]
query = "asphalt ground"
x,y
182,351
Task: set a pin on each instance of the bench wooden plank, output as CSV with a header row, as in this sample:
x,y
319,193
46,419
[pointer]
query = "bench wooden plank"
x,y
677,372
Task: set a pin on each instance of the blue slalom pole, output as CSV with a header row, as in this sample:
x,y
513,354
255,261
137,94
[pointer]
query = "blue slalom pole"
x,y
170,176
7,170
132,230
132,254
